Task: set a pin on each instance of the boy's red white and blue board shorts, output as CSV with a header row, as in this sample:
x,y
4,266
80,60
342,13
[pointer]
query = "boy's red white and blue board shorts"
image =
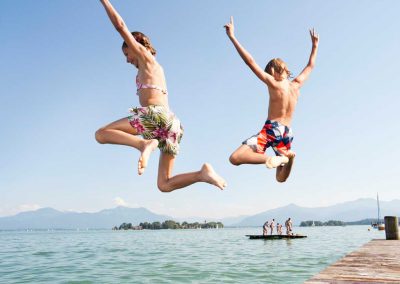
x,y
274,134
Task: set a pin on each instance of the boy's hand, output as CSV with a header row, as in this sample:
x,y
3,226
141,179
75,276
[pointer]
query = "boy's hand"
x,y
314,38
230,29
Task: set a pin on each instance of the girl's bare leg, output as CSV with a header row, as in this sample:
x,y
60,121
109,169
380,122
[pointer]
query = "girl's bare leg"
x,y
167,183
121,132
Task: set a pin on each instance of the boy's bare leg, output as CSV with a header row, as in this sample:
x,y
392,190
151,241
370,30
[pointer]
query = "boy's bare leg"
x,y
246,155
167,183
283,172
120,132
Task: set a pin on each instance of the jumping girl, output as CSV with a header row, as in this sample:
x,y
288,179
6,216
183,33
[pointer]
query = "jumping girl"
x,y
153,120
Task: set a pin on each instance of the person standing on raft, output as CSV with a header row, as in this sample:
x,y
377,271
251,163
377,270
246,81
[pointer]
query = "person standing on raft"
x,y
265,228
272,225
283,95
154,121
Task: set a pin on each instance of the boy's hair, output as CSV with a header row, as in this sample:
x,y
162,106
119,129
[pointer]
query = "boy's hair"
x,y
143,40
278,65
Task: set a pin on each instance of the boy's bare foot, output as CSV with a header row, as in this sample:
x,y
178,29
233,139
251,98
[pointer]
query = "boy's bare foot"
x,y
210,176
147,148
276,161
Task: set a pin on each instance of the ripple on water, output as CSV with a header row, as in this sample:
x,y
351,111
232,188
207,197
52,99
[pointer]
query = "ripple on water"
x,y
43,253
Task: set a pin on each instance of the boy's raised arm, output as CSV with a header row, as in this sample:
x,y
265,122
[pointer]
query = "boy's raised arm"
x,y
246,56
302,77
120,26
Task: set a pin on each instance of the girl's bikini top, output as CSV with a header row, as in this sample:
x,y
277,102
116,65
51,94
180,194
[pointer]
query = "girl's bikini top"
x,y
147,86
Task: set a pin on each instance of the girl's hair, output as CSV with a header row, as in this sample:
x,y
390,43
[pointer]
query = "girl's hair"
x,y
143,40
278,65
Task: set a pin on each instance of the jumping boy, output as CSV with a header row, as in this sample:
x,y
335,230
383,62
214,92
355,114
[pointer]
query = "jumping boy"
x,y
283,95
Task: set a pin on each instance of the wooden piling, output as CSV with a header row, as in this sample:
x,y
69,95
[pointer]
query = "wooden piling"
x,y
392,228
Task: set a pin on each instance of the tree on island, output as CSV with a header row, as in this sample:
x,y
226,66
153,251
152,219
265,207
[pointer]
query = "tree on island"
x,y
169,224
125,226
156,225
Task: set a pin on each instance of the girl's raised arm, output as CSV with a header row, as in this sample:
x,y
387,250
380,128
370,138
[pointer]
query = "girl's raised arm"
x,y
299,80
120,26
246,56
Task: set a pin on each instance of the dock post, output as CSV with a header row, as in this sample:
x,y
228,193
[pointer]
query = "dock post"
x,y
392,228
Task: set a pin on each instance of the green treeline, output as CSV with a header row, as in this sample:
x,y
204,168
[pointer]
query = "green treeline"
x,y
126,226
169,224
319,223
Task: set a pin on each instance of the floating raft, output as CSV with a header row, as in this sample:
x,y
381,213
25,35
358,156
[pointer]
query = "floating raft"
x,y
275,237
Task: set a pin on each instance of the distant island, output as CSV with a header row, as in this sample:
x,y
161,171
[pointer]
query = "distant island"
x,y
319,223
169,224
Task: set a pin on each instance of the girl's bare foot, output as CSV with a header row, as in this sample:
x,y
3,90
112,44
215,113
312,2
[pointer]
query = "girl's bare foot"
x,y
210,176
276,161
147,148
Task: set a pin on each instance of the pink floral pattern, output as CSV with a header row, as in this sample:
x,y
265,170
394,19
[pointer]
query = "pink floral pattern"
x,y
137,124
158,122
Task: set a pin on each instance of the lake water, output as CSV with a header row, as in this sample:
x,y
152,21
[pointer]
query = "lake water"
x,y
173,256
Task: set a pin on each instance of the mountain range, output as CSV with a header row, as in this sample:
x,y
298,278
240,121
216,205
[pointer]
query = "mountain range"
x,y
49,218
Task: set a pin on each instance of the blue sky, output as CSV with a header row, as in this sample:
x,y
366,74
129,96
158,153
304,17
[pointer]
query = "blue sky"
x,y
63,76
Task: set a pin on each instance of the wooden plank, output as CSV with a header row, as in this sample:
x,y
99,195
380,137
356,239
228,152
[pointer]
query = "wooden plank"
x,y
275,237
376,262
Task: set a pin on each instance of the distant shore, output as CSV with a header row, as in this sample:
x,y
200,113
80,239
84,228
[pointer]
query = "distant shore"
x,y
319,223
312,223
169,224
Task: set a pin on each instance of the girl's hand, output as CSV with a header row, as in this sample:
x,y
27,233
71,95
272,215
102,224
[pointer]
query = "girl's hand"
x,y
314,38
230,29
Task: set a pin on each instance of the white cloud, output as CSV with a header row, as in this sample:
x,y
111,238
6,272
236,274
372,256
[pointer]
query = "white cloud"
x,y
120,202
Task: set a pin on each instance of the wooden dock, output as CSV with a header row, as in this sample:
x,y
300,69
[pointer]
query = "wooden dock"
x,y
375,262
275,237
